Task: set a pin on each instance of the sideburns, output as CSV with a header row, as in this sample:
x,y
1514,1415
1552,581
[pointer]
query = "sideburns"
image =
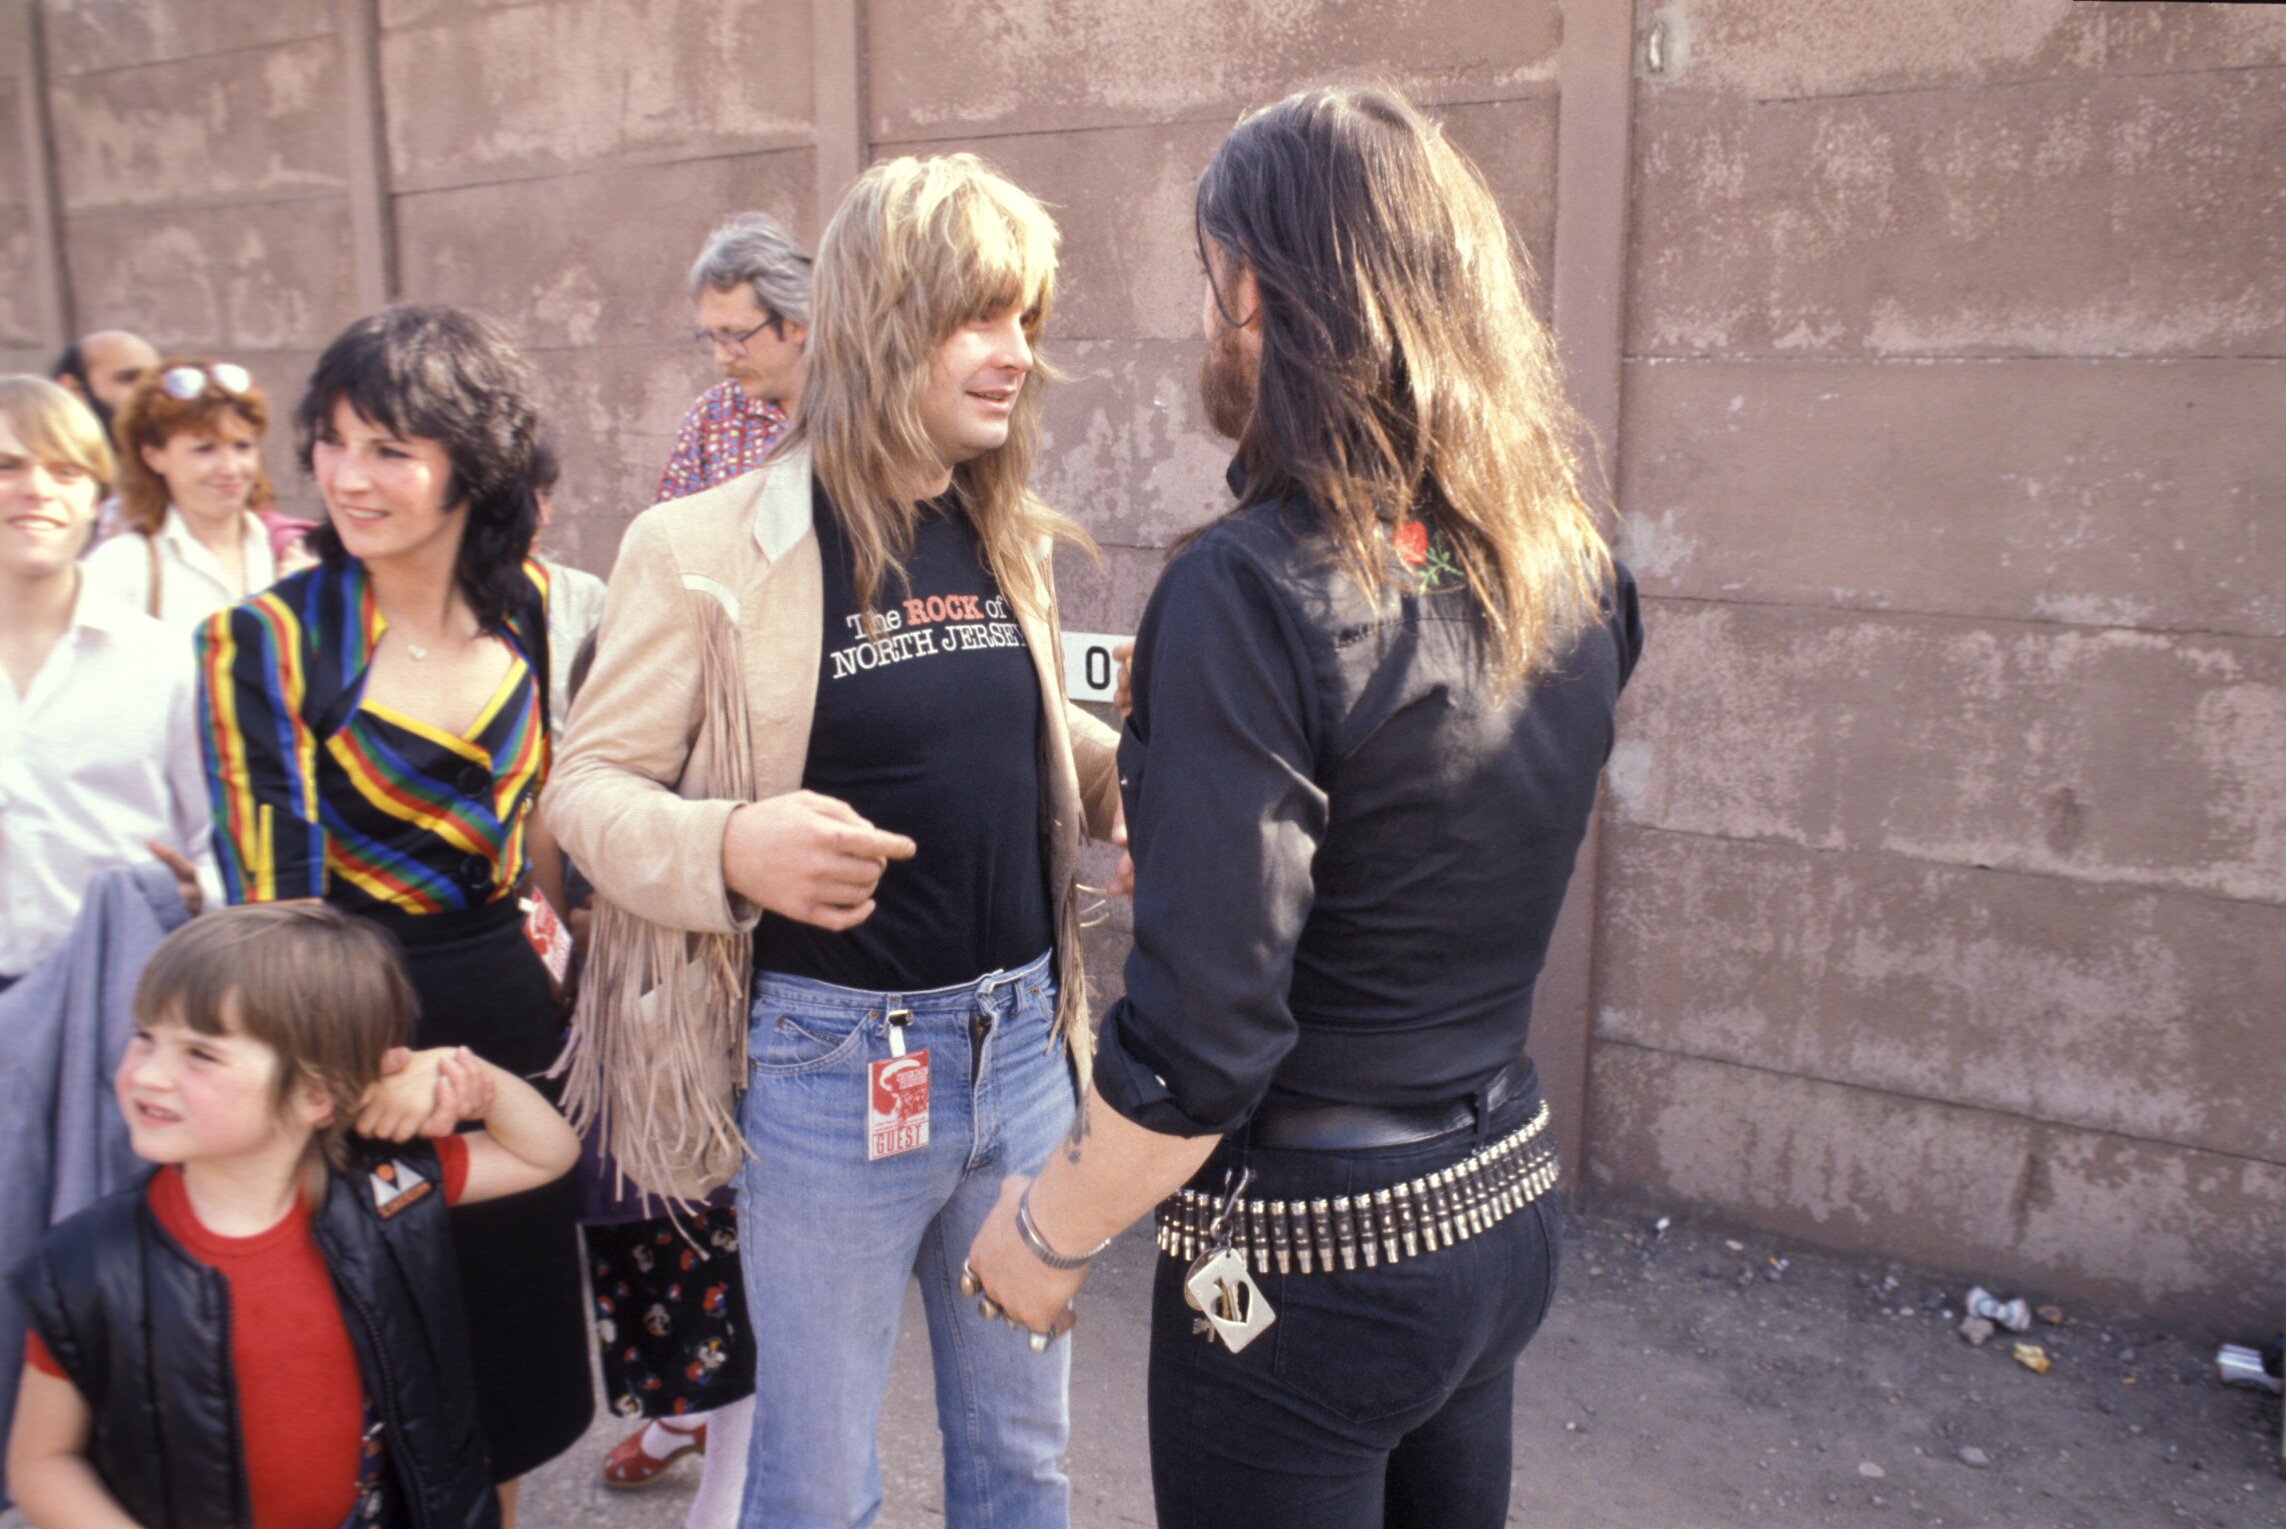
x,y
1226,385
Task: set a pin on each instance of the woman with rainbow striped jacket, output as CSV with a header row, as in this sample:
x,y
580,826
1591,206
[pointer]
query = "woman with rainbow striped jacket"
x,y
376,733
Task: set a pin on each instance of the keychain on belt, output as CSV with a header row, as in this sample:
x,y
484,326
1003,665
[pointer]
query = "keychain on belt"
x,y
1218,1285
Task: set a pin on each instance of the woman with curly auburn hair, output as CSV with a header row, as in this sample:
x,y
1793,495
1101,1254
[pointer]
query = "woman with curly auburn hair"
x,y
377,733
190,482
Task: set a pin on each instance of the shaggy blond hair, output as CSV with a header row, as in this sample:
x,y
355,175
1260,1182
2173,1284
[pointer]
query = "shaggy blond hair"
x,y
918,248
56,427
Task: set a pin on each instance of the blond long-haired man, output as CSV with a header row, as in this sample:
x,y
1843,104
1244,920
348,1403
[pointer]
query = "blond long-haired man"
x,y
826,721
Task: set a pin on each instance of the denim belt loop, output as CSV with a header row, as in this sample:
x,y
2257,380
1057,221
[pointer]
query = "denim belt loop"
x,y
1000,993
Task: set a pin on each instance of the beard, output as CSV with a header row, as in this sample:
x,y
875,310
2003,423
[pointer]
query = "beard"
x,y
1227,378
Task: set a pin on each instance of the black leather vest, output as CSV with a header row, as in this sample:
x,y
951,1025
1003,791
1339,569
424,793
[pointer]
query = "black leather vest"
x,y
143,1330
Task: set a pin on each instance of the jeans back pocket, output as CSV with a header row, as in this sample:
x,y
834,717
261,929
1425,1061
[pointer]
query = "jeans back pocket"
x,y
1369,1348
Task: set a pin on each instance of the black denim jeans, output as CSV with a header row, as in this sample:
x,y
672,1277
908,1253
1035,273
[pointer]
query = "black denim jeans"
x,y
1379,1399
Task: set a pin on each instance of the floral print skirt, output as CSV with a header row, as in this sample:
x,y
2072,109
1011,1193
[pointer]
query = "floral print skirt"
x,y
670,1315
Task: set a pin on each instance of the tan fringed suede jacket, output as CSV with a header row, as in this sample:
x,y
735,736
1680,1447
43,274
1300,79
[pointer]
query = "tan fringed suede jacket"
x,y
715,616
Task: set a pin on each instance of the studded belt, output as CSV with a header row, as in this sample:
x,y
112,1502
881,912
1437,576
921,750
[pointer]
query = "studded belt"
x,y
1405,1220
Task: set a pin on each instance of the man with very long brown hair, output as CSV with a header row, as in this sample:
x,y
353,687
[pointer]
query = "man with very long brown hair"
x,y
1370,706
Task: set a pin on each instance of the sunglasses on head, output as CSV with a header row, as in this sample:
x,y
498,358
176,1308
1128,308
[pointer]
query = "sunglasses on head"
x,y
184,383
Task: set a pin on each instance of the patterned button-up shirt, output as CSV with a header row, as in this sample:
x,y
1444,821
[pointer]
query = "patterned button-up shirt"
x,y
725,434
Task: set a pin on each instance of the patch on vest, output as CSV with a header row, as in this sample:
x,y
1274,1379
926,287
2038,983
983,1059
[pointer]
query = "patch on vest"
x,y
396,1185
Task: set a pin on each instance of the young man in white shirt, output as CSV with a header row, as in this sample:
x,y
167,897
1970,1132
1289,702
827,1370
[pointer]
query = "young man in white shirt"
x,y
99,762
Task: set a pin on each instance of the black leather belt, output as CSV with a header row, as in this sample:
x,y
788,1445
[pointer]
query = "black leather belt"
x,y
1280,1126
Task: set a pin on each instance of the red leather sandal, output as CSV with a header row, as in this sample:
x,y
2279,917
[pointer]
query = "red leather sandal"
x,y
630,1465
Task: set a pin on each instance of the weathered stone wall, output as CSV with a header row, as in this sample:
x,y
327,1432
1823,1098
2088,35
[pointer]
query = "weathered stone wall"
x,y
557,165
1940,900
198,150
1942,911
23,325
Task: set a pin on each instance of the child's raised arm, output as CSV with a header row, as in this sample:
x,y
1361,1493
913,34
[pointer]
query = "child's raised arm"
x,y
524,1143
47,1459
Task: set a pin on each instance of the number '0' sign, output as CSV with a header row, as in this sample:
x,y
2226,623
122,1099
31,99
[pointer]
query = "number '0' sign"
x,y
1090,672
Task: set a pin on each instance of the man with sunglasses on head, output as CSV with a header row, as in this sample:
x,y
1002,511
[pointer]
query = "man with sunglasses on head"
x,y
751,287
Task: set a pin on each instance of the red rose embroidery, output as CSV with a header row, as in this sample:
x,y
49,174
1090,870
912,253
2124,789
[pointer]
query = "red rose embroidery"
x,y
1411,540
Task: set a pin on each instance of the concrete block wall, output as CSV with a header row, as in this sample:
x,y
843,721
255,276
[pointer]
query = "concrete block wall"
x,y
557,165
1941,892
1945,891
201,177
24,323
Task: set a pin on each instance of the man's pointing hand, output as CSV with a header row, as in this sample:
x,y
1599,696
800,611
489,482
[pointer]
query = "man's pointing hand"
x,y
808,857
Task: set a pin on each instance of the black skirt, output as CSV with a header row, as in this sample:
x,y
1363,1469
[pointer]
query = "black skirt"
x,y
481,986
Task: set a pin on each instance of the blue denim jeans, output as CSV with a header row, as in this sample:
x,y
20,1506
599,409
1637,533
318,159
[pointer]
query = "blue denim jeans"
x,y
829,1239
1380,1398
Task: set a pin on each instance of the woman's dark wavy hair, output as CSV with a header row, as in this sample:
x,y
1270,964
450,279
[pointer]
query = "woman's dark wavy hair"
x,y
440,374
1403,373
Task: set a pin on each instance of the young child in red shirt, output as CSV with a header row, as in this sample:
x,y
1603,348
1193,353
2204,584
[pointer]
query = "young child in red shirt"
x,y
269,1332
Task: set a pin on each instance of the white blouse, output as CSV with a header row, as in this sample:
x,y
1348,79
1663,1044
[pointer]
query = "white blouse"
x,y
100,754
192,585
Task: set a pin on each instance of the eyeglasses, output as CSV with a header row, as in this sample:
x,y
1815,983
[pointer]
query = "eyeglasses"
x,y
184,383
734,342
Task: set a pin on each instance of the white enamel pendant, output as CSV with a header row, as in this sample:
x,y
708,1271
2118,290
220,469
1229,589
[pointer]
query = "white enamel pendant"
x,y
1235,1309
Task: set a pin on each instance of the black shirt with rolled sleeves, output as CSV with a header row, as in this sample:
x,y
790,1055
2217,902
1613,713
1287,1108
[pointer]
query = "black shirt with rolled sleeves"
x,y
929,728
1349,851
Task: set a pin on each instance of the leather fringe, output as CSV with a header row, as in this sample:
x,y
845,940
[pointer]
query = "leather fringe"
x,y
656,1059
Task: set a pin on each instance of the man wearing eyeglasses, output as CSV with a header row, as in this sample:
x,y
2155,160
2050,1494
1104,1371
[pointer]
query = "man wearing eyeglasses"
x,y
751,286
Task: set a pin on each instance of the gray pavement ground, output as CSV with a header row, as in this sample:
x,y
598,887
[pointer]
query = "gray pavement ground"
x,y
1687,1380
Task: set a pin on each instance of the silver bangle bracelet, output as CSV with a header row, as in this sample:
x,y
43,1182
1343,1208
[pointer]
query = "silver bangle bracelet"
x,y
1029,1230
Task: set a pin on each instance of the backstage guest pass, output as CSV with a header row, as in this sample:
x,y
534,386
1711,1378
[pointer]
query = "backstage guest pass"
x,y
896,1105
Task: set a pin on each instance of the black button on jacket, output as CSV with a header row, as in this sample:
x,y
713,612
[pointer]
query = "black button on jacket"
x,y
1349,851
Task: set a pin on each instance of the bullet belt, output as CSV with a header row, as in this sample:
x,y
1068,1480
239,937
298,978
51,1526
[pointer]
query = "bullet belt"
x,y
1403,1221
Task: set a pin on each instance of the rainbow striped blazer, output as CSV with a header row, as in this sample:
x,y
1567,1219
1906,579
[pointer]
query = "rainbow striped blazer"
x,y
319,793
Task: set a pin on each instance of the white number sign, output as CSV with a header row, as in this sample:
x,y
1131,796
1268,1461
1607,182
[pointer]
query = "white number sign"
x,y
1090,672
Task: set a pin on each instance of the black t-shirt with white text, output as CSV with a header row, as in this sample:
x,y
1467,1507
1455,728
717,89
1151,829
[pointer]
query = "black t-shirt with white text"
x,y
931,728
